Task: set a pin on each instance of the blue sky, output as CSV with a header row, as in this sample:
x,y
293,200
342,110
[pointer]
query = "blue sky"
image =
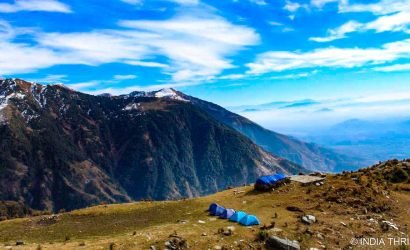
x,y
232,52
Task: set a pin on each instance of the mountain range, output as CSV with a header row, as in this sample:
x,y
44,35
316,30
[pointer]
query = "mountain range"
x,y
62,149
309,155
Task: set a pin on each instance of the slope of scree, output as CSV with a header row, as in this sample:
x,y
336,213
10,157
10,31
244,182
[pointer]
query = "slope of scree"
x,y
62,149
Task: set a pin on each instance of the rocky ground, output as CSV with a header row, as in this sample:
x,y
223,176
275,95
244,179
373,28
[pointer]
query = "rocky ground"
x,y
341,213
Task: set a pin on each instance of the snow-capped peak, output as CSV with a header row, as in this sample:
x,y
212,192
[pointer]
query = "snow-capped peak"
x,y
169,93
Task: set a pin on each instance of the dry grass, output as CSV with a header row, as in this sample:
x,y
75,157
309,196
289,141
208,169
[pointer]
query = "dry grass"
x,y
140,225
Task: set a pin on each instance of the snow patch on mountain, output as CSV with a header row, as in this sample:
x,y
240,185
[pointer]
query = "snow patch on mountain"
x,y
169,93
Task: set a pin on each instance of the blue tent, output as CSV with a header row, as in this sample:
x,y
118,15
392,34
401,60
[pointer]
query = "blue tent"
x,y
212,207
227,213
237,216
264,180
215,209
219,211
270,179
249,220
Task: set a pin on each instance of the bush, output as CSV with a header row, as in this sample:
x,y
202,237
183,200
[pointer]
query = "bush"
x,y
262,235
398,175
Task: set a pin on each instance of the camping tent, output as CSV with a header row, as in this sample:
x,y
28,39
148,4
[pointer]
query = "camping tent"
x,y
269,181
219,211
212,207
227,213
237,216
215,209
249,220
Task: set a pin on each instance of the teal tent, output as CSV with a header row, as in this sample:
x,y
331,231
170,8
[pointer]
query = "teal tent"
x,y
237,216
249,220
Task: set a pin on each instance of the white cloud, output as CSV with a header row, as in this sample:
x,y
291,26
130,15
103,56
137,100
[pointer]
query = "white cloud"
x,y
321,3
276,61
259,2
125,77
382,7
338,33
395,67
295,75
294,6
196,48
392,16
135,2
181,2
50,79
393,23
147,64
34,5
83,85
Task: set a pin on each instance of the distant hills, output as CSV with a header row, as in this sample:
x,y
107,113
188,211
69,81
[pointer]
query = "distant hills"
x,y
309,155
371,141
61,149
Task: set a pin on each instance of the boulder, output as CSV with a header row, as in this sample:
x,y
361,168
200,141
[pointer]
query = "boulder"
x,y
276,243
309,219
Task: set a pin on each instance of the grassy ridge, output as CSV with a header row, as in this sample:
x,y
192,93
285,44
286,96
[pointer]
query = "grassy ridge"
x,y
143,224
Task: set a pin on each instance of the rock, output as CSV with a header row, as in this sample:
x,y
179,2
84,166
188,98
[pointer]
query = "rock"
x,y
344,224
152,248
217,247
276,243
204,234
19,242
309,219
232,228
201,222
276,230
320,236
294,209
387,224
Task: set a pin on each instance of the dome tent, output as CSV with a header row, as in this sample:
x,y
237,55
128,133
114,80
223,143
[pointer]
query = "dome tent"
x,y
237,216
215,209
227,213
219,211
249,220
212,207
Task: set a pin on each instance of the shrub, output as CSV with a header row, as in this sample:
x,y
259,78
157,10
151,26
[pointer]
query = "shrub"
x,y
398,175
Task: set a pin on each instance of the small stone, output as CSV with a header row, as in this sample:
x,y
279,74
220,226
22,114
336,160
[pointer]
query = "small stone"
x,y
152,248
344,224
204,234
19,243
217,247
320,236
201,222
309,219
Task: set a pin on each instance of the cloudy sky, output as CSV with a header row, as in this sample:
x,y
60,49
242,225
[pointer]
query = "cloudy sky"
x,y
232,52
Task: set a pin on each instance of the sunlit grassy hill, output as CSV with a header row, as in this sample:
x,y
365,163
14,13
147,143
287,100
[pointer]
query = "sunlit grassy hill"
x,y
346,206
